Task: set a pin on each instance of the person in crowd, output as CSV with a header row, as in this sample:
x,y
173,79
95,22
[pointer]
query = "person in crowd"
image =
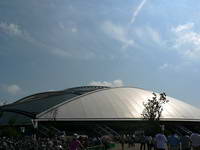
x,y
132,142
185,142
160,141
173,142
129,140
106,141
84,141
150,143
75,144
122,141
143,142
195,139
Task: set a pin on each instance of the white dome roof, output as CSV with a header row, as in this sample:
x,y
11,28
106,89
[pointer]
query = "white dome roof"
x,y
122,103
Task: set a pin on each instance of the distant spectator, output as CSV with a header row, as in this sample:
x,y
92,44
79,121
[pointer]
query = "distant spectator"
x,y
195,139
185,142
161,141
106,140
143,142
84,141
75,144
122,141
150,143
132,142
174,142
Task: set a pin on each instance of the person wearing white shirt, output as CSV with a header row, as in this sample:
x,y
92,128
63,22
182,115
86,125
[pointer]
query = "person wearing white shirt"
x,y
161,141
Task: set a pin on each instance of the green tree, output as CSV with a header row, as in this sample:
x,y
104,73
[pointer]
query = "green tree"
x,y
153,107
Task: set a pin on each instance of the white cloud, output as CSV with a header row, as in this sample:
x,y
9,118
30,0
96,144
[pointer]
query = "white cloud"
x,y
118,83
154,35
136,12
164,66
66,54
87,55
60,52
12,29
115,83
179,67
148,34
74,30
118,33
184,27
16,30
12,89
63,27
187,41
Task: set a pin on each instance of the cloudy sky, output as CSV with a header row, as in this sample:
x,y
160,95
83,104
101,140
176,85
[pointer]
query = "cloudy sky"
x,y
57,44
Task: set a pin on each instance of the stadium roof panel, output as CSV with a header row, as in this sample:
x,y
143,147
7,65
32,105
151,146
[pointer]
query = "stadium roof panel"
x,y
113,103
96,103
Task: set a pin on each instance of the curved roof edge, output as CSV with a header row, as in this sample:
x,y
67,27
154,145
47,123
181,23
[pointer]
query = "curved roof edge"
x,y
116,119
38,96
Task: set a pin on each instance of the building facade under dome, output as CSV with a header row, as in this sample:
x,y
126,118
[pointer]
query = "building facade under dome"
x,y
93,103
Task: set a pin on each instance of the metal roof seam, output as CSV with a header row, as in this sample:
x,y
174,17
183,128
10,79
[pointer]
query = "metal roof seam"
x,y
72,99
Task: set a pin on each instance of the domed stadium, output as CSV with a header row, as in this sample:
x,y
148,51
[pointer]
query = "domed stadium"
x,y
91,105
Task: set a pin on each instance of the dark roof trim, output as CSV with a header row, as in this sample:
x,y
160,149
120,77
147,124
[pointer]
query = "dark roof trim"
x,y
21,112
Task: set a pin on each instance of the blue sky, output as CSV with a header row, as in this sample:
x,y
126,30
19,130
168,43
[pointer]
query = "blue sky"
x,y
57,44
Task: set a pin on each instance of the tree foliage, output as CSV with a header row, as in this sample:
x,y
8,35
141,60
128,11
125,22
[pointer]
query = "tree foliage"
x,y
153,107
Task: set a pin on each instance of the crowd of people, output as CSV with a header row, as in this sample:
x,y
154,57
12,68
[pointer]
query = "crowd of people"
x,y
162,142
29,143
83,142
73,142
